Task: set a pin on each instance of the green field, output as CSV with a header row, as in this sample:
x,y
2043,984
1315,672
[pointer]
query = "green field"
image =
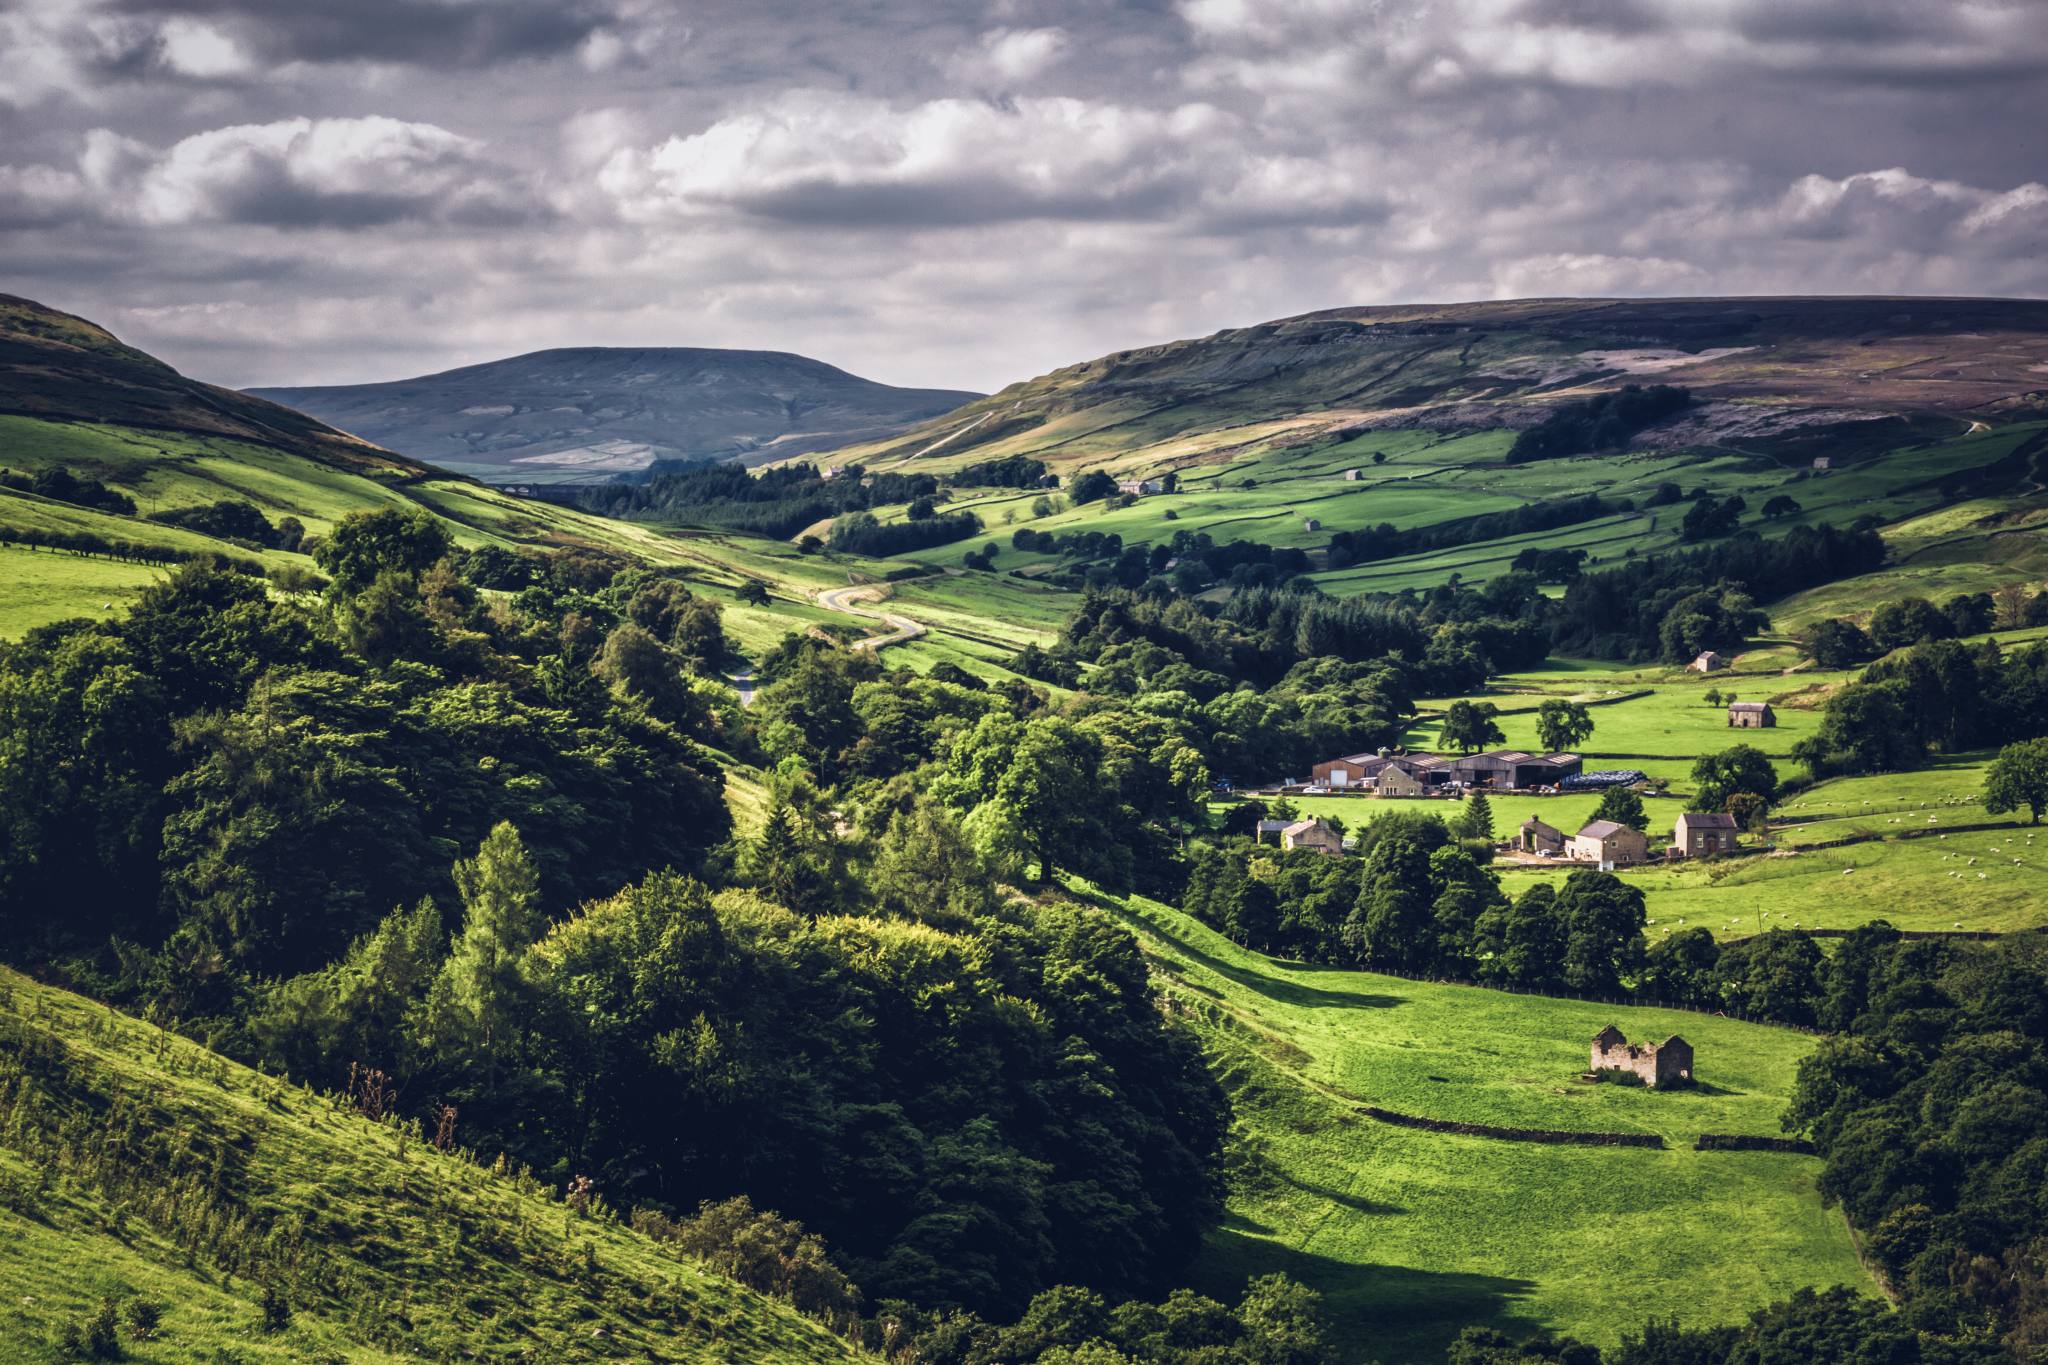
x,y
1409,1234
385,1249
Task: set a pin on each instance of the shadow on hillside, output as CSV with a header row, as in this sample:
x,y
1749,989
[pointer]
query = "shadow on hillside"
x,y
1375,1312
1274,988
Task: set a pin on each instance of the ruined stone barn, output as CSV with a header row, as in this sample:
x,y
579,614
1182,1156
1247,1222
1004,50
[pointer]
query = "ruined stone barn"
x,y
1657,1065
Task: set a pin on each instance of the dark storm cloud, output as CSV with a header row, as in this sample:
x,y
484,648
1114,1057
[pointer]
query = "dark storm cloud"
x,y
967,193
441,34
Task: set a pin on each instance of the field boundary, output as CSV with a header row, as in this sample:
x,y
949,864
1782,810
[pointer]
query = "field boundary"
x,y
1559,1136
1738,1142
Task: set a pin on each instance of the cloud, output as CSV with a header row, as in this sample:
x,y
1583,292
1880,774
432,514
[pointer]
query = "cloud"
x,y
849,161
452,34
1005,58
303,173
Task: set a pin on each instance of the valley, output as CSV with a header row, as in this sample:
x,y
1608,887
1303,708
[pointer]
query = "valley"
x,y
783,833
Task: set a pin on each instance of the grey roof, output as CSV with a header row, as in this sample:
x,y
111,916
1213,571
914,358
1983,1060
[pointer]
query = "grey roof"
x,y
1602,829
1706,819
1303,826
1273,826
1749,706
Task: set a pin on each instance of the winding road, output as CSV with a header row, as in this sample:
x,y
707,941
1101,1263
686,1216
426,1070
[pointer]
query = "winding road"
x,y
901,628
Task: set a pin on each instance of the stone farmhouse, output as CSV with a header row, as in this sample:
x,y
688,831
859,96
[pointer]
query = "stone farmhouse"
x,y
1610,845
1751,715
1657,1065
1536,837
1315,835
1707,663
1140,487
1700,834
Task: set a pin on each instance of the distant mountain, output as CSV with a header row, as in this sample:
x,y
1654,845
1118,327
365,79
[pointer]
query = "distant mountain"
x,y
592,413
1770,374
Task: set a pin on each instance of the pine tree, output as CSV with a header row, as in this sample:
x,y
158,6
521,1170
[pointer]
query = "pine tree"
x,y
1477,821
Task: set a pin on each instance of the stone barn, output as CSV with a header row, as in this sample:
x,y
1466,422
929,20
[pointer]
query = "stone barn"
x,y
1536,837
1707,663
1657,1065
1751,715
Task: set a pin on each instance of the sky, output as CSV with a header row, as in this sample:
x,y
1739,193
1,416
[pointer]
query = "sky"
x,y
967,194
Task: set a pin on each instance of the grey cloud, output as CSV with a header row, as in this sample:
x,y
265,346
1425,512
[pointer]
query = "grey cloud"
x,y
449,34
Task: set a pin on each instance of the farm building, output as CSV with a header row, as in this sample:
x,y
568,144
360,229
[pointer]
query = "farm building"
x,y
1311,524
1139,487
1610,845
1751,715
1506,769
1313,835
1353,475
1707,663
1823,462
1353,770
1655,1064
1701,833
1536,837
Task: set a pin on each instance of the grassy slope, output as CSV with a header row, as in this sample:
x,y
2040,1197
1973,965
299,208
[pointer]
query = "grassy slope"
x,y
442,1259
1412,1234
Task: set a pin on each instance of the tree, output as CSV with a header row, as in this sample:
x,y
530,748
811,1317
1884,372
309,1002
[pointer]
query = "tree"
x,y
483,987
1623,806
1476,821
1562,725
2019,778
1779,507
753,592
388,540
1712,696
1604,920
1469,726
1865,728
1092,486
1908,621
1522,943
1839,644
1742,768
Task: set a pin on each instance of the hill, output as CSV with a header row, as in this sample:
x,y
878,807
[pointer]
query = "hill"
x,y
1412,1234
600,413
137,1166
1770,374
74,398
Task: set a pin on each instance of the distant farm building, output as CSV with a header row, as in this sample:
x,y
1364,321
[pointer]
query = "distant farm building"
x,y
1700,834
1139,487
1656,1065
1823,462
1707,663
1536,837
1353,475
1311,524
1511,769
1610,844
1395,780
1751,715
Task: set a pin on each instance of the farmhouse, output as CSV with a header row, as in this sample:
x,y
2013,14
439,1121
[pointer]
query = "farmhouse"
x,y
1610,845
1707,662
1823,462
1314,835
1398,780
1656,1064
1536,837
1139,487
1702,833
1751,715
